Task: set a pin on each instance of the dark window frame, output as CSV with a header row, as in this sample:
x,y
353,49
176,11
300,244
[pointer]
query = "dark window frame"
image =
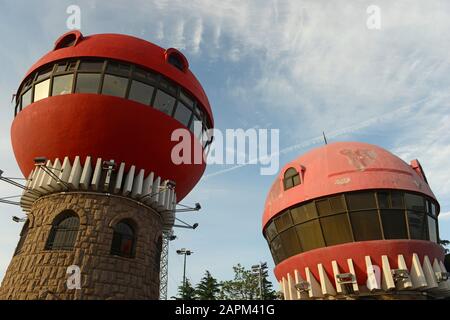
x,y
290,176
119,237
154,79
65,225
402,211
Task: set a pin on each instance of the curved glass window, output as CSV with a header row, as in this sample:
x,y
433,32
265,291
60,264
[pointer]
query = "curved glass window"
x,y
124,241
291,178
394,224
62,84
108,77
64,231
141,92
348,217
87,83
41,90
182,114
164,102
114,85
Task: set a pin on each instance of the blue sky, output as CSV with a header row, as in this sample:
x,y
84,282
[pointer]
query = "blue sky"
x,y
302,67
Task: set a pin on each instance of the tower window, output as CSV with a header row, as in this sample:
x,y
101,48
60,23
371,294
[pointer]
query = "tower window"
x,y
141,92
64,231
62,84
115,86
23,237
124,240
26,98
41,90
87,83
164,102
291,178
182,114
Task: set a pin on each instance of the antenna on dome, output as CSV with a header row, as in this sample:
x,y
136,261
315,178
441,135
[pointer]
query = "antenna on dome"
x,y
324,137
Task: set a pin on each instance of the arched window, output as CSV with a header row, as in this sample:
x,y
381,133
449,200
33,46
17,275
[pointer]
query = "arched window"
x,y
124,240
23,236
291,178
64,231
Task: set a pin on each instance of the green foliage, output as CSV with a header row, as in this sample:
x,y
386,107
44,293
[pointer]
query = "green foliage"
x,y
208,288
186,292
244,286
445,244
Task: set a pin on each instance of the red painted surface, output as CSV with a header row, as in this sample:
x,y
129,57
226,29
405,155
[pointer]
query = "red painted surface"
x,y
128,49
101,126
357,252
343,167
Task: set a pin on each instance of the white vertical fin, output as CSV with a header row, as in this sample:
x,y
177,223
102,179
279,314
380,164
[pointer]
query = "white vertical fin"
x,y
42,183
148,185
56,169
97,174
291,287
430,276
162,194
417,274
86,175
284,286
128,186
373,282
315,291
75,174
119,178
136,192
155,190
339,287
325,283
37,178
351,269
65,170
387,282
299,279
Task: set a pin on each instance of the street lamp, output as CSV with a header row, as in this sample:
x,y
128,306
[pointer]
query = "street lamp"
x,y
184,252
260,270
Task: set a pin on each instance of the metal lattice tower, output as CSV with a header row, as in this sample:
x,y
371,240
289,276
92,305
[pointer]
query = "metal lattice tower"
x,y
164,268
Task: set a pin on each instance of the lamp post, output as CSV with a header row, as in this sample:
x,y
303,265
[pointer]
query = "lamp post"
x,y
184,252
260,270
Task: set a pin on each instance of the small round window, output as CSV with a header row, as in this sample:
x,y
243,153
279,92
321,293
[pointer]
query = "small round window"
x,y
68,40
177,59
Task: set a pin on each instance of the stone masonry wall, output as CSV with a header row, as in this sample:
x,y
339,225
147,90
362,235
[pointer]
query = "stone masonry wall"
x,y
36,273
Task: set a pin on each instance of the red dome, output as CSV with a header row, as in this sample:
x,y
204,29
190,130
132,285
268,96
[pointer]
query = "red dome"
x,y
344,167
128,49
80,123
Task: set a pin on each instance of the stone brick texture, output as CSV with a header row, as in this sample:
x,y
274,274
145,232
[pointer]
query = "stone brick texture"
x,y
37,273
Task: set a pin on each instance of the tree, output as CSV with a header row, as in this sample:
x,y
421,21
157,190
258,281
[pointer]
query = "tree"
x,y
208,288
445,244
186,291
243,287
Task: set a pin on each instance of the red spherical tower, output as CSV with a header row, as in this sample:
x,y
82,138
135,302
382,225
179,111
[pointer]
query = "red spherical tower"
x,y
92,132
351,220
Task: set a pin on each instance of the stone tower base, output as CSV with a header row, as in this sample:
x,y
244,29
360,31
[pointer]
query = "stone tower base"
x,y
38,273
